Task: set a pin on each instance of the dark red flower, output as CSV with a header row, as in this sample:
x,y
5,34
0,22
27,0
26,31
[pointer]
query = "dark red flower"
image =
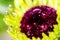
x,y
38,20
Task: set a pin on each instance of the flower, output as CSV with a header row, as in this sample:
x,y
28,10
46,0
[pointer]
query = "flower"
x,y
34,20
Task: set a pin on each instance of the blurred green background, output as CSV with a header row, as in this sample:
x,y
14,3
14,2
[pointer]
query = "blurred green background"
x,y
3,27
3,8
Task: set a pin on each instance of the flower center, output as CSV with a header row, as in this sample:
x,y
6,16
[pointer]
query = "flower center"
x,y
38,20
